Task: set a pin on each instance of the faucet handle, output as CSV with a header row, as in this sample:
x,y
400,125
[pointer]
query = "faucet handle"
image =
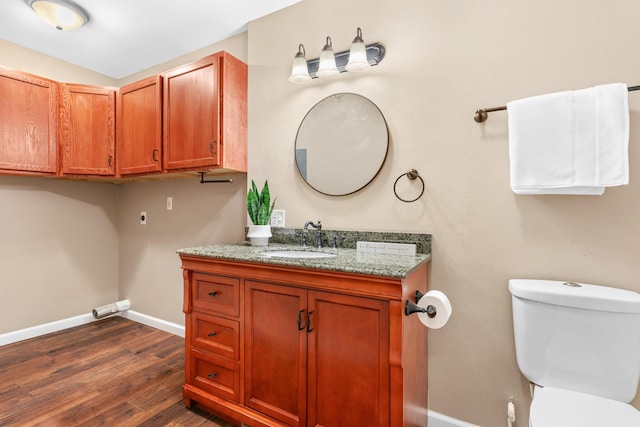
x,y
335,239
303,237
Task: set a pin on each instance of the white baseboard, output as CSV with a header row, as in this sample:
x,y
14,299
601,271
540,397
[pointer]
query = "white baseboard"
x,y
59,325
47,328
438,420
154,322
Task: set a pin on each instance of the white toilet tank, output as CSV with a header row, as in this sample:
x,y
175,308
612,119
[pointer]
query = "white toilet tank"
x,y
577,337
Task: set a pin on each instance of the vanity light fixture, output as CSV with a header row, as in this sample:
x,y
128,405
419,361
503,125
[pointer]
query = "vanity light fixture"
x,y
360,57
64,15
327,65
299,70
358,54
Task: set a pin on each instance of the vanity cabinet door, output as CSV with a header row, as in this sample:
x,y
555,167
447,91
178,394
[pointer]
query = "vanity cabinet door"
x,y
316,358
87,129
275,358
139,127
28,123
348,361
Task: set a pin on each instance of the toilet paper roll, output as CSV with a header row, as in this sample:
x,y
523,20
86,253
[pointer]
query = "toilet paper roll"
x,y
442,306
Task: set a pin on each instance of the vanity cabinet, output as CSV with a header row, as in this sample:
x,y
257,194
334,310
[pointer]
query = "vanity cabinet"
x,y
139,127
87,129
205,115
28,125
274,345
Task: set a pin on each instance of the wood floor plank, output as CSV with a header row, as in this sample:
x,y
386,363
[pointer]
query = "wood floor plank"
x,y
111,372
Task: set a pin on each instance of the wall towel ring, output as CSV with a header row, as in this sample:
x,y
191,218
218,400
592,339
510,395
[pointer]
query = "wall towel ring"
x,y
412,174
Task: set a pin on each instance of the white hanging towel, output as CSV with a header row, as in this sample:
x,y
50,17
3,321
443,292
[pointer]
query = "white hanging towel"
x,y
573,142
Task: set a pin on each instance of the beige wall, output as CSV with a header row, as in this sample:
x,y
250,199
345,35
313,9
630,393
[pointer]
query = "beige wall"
x,y
446,59
150,274
59,249
30,61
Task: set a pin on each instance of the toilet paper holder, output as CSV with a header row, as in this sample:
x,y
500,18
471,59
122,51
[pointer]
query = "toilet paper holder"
x,y
410,308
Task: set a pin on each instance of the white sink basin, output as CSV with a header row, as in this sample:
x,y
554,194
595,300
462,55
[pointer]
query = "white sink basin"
x,y
296,254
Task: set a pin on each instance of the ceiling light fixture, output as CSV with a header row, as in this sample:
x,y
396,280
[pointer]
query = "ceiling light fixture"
x,y
64,15
360,57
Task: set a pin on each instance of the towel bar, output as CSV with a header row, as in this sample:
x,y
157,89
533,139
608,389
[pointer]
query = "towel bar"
x,y
482,114
212,181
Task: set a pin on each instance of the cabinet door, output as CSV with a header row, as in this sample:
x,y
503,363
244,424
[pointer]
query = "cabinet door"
x,y
28,123
139,127
87,130
192,115
348,361
275,358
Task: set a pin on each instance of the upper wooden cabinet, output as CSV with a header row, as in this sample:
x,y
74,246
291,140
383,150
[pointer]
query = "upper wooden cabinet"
x,y
139,127
205,115
28,123
87,130
191,118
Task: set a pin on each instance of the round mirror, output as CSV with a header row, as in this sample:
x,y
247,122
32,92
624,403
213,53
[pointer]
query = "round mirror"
x,y
341,144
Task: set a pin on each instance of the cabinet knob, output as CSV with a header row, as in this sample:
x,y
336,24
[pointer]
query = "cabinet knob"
x,y
213,294
212,147
300,326
213,334
154,155
213,375
110,160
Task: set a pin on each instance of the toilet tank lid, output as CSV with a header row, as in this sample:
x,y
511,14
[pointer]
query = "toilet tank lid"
x,y
577,295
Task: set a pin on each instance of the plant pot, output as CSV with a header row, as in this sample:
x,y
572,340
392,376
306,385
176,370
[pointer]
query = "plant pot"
x,y
259,235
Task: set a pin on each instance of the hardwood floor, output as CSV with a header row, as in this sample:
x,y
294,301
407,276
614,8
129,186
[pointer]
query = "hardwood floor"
x,y
112,372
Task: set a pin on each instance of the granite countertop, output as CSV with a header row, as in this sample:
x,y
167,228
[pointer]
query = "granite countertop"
x,y
346,259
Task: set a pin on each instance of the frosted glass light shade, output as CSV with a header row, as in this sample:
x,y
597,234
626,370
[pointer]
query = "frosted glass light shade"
x,y
327,66
60,14
358,55
299,69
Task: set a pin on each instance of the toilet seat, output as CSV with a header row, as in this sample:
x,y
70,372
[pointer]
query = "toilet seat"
x,y
554,407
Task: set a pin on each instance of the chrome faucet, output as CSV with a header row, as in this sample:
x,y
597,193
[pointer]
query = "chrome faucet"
x,y
318,227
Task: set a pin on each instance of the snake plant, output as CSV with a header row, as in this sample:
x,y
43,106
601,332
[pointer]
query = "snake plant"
x,y
258,206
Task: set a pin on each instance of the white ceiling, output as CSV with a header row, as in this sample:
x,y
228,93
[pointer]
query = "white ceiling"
x,y
123,37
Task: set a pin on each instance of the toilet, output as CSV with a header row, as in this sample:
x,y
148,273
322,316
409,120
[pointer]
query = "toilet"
x,y
579,345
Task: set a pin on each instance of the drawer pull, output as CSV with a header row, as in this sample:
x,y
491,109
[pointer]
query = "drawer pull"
x,y
213,375
213,334
213,294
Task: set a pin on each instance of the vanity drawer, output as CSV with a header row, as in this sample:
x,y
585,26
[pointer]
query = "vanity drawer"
x,y
214,375
215,334
216,294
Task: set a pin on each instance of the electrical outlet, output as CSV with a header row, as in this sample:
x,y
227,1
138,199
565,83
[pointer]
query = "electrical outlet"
x,y
143,218
169,203
277,218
